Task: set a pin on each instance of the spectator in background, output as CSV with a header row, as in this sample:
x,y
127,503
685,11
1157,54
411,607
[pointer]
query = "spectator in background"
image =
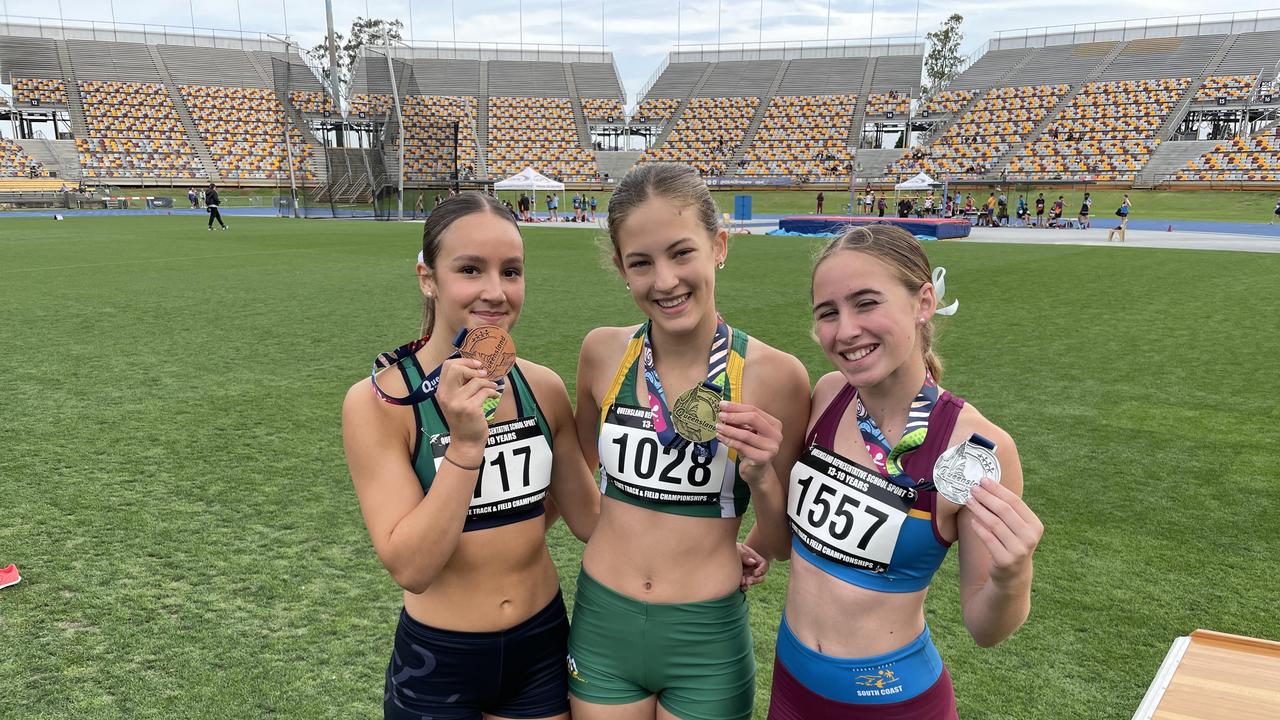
x,y
1002,210
821,198
592,202
211,203
1085,206
1040,210
1059,205
577,207
870,202
522,205
418,207
904,207
1123,213
1022,210
193,197
881,205
1277,212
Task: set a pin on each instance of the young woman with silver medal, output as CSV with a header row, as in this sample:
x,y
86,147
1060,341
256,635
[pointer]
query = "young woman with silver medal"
x,y
689,420
897,469
452,468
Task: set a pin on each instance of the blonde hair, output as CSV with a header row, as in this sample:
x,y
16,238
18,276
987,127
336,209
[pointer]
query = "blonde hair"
x,y
904,254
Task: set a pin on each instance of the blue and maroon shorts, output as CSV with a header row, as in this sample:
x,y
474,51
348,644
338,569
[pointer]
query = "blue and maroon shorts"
x,y
909,683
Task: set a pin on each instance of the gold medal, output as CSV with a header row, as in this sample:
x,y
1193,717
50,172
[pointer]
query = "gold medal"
x,y
493,347
695,414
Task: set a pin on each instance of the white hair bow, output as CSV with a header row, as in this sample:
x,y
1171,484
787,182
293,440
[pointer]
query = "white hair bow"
x,y
940,289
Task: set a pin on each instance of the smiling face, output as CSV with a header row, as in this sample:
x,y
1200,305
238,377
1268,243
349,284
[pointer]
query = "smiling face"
x,y
478,277
668,257
866,319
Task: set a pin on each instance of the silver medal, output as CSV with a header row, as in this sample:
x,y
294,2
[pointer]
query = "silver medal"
x,y
961,467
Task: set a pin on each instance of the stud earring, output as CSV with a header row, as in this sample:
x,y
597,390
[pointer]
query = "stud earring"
x,y
720,265
628,286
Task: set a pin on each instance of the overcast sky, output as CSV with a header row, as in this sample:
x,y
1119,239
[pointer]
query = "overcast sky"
x,y
638,33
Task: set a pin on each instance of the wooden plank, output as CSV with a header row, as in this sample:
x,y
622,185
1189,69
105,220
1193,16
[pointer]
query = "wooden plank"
x,y
1218,677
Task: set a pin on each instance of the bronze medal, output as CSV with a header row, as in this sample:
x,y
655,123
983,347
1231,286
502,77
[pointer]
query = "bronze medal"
x,y
695,414
493,347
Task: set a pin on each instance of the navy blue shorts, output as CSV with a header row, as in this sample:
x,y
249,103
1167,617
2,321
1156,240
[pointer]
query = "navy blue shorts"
x,y
447,675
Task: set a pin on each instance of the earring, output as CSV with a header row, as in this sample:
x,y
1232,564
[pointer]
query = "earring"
x,y
720,265
923,321
628,286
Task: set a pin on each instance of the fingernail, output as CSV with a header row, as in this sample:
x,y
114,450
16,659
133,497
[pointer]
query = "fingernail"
x,y
987,482
724,404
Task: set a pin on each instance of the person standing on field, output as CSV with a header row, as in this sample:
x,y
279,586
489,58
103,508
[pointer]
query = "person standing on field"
x,y
821,198
211,205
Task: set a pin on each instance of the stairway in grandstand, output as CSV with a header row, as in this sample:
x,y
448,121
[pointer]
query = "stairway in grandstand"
x,y
193,135
482,123
1170,157
750,135
579,117
860,110
59,157
988,71
616,163
314,163
1205,70
75,108
875,161
703,78
1032,76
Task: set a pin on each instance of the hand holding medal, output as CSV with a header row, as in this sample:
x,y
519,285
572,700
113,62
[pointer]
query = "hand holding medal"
x,y
463,392
969,474
753,433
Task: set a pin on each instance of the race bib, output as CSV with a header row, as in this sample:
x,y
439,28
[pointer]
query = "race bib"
x,y
516,471
846,512
633,460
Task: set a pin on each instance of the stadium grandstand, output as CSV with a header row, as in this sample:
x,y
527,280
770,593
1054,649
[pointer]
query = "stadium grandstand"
x,y
1137,104
790,112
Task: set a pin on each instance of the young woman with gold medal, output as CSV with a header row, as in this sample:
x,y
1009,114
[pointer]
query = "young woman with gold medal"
x,y
689,420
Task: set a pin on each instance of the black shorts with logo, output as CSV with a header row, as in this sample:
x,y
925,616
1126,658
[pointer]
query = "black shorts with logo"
x,y
519,672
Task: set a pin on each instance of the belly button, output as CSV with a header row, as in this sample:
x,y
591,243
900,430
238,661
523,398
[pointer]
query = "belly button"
x,y
505,604
648,585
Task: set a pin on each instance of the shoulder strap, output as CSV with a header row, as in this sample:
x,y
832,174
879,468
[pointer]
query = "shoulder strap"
x,y
526,401
918,463
626,372
737,363
824,431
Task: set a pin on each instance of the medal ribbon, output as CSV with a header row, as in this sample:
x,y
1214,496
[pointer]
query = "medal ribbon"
x,y
913,435
717,363
427,389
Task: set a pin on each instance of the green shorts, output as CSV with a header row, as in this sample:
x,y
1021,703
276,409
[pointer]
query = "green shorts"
x,y
696,657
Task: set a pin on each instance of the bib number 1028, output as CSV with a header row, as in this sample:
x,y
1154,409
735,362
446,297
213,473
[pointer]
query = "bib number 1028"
x,y
841,514
648,454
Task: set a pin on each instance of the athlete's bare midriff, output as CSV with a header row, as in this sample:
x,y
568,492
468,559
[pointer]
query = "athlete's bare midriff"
x,y
662,558
496,579
835,618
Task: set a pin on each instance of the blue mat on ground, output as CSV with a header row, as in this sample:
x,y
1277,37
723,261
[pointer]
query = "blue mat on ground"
x,y
818,224
792,233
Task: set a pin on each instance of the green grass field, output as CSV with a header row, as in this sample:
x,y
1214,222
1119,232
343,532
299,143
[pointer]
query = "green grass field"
x,y
172,483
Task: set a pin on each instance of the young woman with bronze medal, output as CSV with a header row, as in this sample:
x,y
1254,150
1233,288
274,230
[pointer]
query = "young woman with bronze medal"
x,y
456,448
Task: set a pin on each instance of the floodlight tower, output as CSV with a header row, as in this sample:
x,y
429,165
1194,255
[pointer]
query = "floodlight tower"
x,y
333,55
